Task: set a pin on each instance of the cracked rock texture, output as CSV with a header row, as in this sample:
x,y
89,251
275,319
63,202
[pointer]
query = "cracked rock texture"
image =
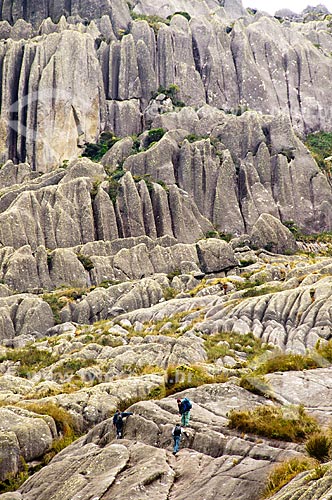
x,y
105,65
169,254
142,465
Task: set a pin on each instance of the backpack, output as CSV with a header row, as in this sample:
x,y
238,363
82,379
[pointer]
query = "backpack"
x,y
119,422
187,406
177,430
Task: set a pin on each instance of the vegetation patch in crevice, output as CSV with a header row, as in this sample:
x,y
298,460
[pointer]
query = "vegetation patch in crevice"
x,y
30,359
58,299
283,423
85,261
95,151
283,473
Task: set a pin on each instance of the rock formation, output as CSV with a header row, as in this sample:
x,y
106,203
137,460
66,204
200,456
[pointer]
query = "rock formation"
x,y
157,206
110,66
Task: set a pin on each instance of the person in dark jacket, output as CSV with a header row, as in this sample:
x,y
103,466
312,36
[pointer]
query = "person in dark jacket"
x,y
184,406
118,422
176,433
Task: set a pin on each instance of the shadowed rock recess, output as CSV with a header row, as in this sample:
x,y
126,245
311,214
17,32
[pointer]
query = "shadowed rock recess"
x,y
165,233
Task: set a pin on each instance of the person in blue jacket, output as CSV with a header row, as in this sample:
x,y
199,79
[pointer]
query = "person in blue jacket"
x,y
118,422
184,406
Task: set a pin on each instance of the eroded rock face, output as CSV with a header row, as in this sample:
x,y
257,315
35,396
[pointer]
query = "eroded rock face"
x,y
24,435
144,455
306,484
44,140
116,64
269,233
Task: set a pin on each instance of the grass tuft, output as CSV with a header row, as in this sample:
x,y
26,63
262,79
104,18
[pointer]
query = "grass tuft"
x,y
286,424
283,473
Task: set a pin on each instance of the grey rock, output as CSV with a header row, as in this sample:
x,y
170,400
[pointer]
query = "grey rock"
x,y
215,255
144,454
269,233
34,434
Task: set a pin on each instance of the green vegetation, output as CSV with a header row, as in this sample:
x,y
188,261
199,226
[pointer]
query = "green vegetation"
x,y
324,237
172,274
180,13
142,370
283,473
170,92
59,298
222,344
96,151
325,350
30,358
148,179
95,188
65,425
319,446
287,362
221,236
170,293
154,135
256,384
13,482
320,146
154,328
179,378
256,292
153,21
286,424
71,366
85,261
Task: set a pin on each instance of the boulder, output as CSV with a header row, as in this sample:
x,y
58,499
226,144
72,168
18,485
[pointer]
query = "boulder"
x,y
215,255
269,233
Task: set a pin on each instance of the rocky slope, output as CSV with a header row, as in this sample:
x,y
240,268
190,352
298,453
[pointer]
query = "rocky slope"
x,y
111,65
164,265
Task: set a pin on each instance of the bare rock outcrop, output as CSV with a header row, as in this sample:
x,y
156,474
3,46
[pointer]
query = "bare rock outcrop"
x,y
294,319
116,63
269,233
144,457
24,435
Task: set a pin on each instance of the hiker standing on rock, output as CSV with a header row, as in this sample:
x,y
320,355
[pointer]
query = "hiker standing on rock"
x,y
184,406
118,422
176,433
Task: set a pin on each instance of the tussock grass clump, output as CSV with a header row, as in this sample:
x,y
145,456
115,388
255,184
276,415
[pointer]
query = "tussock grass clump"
x,y
325,351
65,425
31,359
319,446
288,362
63,420
156,393
179,378
169,293
14,481
283,473
222,344
256,384
286,424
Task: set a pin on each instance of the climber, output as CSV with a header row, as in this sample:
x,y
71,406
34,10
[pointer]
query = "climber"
x,y
176,433
119,423
184,406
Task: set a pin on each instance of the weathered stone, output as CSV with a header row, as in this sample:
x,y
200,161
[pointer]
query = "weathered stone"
x,y
215,255
269,233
